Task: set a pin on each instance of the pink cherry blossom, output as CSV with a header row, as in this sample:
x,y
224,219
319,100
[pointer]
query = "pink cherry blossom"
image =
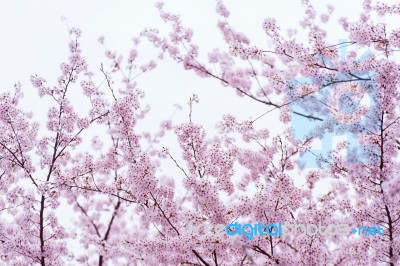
x,y
100,166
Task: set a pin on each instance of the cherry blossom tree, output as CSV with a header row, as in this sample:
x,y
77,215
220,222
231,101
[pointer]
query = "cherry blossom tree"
x,y
127,212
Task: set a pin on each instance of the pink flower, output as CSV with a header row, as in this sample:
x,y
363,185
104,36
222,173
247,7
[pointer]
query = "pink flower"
x,y
96,143
221,9
101,39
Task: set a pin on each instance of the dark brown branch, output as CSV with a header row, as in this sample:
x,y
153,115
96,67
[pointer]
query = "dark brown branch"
x,y
163,214
200,258
91,221
101,258
215,257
